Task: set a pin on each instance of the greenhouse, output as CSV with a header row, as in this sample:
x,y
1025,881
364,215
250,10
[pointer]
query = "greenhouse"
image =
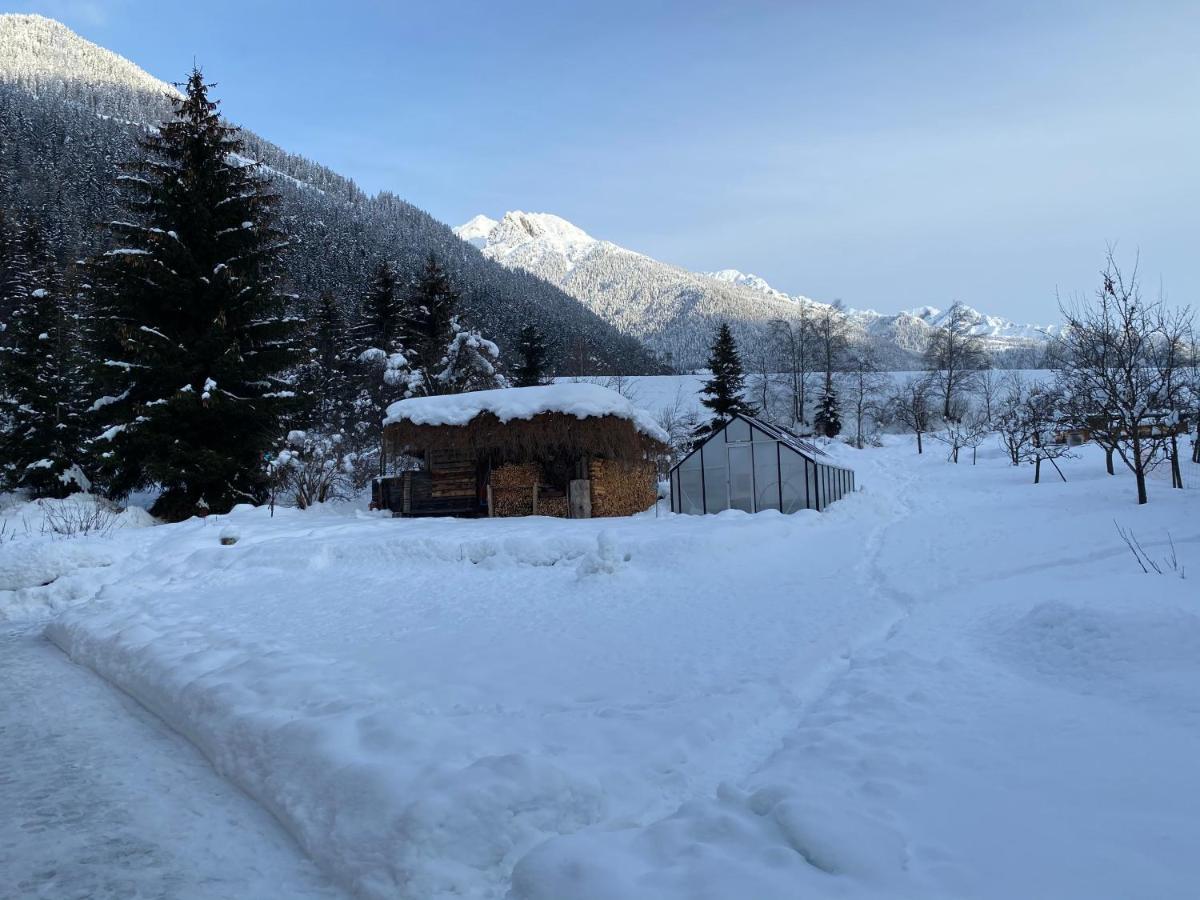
x,y
752,466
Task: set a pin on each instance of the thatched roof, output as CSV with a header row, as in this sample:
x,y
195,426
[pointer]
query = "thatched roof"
x,y
526,423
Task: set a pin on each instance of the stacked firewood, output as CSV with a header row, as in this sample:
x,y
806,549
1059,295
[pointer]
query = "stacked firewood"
x,y
512,489
622,488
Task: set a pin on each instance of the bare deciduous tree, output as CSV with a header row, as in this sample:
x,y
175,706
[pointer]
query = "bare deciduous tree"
x,y
1042,415
863,384
1010,419
964,427
955,356
796,352
831,337
990,385
765,380
1118,367
680,420
910,406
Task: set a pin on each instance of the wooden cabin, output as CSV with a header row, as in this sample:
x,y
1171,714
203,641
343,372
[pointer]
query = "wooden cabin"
x,y
572,450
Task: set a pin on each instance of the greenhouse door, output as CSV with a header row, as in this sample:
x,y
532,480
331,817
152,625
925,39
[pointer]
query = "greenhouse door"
x,y
741,478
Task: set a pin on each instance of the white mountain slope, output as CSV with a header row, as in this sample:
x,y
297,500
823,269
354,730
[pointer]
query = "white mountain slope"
x,y
41,49
674,310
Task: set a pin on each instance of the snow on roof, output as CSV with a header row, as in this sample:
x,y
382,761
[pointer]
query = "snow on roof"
x,y
582,400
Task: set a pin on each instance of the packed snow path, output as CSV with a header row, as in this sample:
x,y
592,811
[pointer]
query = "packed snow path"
x,y
100,801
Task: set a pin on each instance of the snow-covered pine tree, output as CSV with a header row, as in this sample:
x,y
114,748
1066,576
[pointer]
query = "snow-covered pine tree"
x,y
827,419
193,329
723,391
433,308
531,365
468,365
379,339
42,374
326,378
383,317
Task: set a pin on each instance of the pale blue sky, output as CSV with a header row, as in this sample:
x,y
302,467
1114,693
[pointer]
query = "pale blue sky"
x,y
890,154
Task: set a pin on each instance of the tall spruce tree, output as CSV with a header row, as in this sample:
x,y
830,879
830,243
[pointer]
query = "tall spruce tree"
x,y
827,420
531,350
325,376
433,306
722,392
42,373
383,318
193,329
380,335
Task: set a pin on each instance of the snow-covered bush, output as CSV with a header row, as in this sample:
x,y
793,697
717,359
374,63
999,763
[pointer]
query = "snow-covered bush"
x,y
313,468
469,363
78,516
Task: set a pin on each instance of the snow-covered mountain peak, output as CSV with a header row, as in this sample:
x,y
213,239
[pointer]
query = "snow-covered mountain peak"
x,y
477,230
520,227
755,283
34,48
983,325
733,276
531,240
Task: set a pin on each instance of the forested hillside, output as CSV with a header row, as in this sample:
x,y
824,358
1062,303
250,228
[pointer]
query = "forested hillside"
x,y
70,112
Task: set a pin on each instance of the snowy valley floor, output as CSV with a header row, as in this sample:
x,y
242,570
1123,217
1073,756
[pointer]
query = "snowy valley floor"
x,y
952,684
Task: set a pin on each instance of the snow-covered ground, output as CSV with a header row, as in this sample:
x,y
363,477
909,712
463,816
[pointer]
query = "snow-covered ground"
x,y
99,800
952,684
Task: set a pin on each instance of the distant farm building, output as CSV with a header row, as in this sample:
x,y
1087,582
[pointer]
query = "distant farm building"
x,y
752,466
567,450
1156,425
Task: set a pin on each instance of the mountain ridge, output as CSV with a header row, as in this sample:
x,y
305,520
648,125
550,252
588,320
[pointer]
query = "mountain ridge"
x,y
674,310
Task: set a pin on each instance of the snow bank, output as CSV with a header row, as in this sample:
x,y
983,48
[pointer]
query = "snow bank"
x,y
38,578
53,552
359,779
580,399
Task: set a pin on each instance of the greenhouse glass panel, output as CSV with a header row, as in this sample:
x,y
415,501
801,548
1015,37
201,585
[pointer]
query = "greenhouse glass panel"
x,y
691,491
737,431
766,474
716,477
791,475
812,486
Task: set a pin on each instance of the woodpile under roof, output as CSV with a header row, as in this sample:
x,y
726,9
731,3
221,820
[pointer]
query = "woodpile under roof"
x,y
534,423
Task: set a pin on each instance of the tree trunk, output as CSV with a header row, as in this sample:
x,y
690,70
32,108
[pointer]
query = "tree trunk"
x,y
1037,470
1139,469
1108,459
919,442
1176,475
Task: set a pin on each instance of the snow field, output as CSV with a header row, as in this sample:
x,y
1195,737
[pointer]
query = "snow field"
x,y
423,711
952,684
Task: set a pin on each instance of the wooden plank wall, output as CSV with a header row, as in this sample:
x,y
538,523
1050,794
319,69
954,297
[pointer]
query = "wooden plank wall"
x,y
452,474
